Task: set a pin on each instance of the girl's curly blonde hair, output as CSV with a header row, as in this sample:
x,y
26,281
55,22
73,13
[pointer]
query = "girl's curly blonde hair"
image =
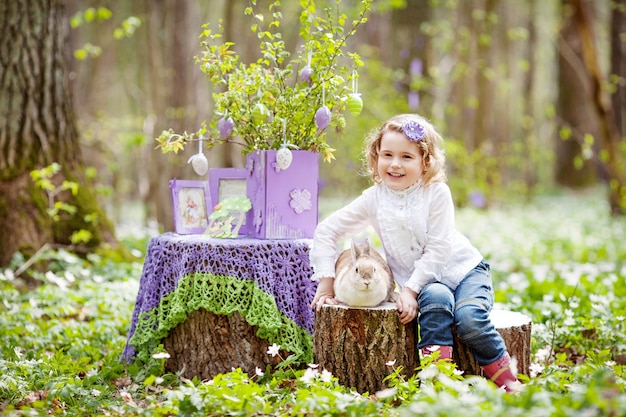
x,y
430,147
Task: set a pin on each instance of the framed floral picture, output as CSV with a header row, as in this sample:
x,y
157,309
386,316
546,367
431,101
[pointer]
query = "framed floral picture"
x,y
191,202
225,183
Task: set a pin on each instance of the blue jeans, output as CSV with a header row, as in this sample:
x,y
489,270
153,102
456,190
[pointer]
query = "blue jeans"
x,y
467,308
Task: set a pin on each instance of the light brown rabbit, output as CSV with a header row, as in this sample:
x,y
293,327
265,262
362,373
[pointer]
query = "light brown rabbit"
x,y
362,277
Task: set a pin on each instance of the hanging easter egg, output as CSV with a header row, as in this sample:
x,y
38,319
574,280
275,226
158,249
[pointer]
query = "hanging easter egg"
x,y
322,117
200,164
259,113
198,161
355,104
305,74
225,126
284,156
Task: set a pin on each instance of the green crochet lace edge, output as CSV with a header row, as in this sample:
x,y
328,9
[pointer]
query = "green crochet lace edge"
x,y
224,295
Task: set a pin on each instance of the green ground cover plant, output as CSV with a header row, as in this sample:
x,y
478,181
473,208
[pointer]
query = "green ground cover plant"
x,y
559,260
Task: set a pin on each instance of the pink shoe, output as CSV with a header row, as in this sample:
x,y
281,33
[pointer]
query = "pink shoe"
x,y
445,352
501,374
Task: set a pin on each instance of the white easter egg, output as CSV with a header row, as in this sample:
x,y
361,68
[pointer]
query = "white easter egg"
x,y
284,157
199,163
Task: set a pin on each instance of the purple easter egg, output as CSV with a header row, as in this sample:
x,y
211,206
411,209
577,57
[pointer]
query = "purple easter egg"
x,y
305,74
322,117
225,126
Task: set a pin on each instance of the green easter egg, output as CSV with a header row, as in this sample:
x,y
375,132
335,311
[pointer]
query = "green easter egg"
x,y
259,113
355,104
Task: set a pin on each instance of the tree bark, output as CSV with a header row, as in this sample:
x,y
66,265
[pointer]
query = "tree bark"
x,y
602,105
37,128
207,344
574,109
355,345
618,63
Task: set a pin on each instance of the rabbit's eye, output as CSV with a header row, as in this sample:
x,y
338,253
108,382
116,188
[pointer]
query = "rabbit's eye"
x,y
356,269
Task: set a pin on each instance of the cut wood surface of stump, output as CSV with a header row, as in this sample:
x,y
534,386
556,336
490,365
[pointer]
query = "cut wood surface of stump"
x,y
355,344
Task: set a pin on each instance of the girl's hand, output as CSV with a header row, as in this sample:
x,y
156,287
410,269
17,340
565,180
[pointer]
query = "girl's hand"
x,y
407,305
325,293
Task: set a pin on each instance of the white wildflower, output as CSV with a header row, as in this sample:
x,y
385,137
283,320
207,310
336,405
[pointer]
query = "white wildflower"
x,y
7,275
161,355
258,371
386,393
18,352
95,392
428,373
309,376
69,276
569,322
543,354
327,376
390,363
273,350
535,369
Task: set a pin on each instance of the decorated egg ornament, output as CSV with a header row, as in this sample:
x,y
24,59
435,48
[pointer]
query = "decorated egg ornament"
x,y
322,117
355,104
199,163
225,126
305,74
284,156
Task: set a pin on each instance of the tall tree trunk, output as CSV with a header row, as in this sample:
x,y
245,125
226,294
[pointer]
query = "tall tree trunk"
x,y
618,63
530,127
574,108
37,128
484,122
602,105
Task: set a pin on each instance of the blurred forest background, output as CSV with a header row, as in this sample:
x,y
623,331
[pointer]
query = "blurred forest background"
x,y
529,96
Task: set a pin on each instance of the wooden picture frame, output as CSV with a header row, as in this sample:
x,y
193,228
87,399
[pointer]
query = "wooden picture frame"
x,y
228,182
191,202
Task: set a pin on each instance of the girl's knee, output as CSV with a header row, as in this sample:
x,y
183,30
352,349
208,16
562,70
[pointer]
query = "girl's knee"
x,y
470,318
436,294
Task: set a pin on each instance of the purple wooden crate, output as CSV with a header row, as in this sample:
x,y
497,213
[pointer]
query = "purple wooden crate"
x,y
284,202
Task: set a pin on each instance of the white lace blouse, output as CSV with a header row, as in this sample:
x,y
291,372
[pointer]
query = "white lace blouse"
x,y
417,230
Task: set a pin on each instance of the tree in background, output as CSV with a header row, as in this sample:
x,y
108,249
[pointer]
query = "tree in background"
x,y
610,136
37,129
589,123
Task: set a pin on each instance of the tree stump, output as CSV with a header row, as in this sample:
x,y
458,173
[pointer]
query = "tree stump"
x,y
515,328
355,344
207,344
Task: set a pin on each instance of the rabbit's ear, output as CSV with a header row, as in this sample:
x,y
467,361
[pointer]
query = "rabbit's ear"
x,y
365,249
354,250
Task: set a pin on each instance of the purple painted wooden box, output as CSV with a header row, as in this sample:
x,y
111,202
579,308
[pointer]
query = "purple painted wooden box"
x,y
284,201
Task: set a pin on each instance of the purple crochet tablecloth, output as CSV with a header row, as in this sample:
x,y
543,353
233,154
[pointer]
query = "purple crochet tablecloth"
x,y
279,267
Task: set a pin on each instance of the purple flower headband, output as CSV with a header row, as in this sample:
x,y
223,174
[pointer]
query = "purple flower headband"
x,y
413,130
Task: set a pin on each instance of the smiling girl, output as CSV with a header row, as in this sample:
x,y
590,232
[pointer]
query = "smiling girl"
x,y
443,278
